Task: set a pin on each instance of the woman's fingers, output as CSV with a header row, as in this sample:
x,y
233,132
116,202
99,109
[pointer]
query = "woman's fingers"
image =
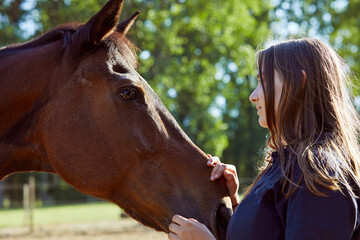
x,y
180,220
215,162
219,168
217,171
229,175
232,182
213,172
173,236
175,228
184,229
194,220
212,161
230,171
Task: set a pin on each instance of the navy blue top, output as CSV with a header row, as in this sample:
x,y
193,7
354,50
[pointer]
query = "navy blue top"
x,y
265,213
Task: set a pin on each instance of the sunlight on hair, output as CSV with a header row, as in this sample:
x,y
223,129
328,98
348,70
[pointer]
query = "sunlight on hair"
x,y
357,102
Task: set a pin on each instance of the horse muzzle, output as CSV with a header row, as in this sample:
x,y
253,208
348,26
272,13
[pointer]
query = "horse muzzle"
x,y
220,217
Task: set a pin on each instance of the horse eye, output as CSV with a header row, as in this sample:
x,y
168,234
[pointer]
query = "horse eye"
x,y
128,93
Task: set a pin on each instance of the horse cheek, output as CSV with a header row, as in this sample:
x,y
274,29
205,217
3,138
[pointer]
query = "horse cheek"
x,y
76,148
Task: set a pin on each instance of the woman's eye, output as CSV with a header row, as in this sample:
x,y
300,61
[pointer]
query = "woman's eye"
x,y
128,93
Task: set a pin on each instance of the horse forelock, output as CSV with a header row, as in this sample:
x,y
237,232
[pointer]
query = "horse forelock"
x,y
127,49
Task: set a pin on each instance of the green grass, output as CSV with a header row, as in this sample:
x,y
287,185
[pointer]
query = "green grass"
x,y
61,214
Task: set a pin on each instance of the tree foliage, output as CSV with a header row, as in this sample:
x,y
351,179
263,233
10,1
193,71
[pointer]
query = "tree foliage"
x,y
335,21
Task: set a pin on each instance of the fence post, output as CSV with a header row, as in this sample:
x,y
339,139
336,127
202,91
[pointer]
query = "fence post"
x,y
2,194
44,187
32,201
29,203
26,202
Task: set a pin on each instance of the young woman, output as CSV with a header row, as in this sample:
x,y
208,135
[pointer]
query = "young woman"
x,y
309,185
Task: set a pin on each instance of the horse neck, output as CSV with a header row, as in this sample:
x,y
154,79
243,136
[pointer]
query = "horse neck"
x,y
24,80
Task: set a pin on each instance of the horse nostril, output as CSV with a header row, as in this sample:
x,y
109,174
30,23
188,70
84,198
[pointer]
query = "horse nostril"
x,y
223,216
220,218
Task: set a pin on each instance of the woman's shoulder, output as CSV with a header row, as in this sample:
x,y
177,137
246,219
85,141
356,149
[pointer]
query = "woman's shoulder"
x,y
323,172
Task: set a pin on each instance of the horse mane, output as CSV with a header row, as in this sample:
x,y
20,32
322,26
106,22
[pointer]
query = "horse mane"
x,y
64,32
47,38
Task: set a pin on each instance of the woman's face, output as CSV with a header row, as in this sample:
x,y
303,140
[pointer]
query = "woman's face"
x,y
258,97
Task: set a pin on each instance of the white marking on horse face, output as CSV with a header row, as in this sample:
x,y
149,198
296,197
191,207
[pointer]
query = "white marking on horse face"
x,y
83,82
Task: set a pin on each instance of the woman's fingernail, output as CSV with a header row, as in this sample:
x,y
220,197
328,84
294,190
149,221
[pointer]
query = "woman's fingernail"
x,y
212,178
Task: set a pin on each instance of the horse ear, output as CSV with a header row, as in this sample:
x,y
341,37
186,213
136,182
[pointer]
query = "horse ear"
x,y
125,26
102,24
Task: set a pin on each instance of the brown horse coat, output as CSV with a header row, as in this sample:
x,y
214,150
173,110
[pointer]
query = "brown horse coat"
x,y
72,103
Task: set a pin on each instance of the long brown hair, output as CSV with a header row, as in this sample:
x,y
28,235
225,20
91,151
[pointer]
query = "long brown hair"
x,y
315,117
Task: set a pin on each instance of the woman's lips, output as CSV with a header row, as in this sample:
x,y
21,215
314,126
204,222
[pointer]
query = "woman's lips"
x,y
258,109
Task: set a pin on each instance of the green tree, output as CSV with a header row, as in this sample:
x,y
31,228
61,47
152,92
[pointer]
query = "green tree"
x,y
11,17
198,49
336,21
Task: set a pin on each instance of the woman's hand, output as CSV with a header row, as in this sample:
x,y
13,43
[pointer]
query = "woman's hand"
x,y
230,175
188,229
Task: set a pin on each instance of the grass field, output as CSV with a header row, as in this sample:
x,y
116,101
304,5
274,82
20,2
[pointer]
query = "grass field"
x,y
61,214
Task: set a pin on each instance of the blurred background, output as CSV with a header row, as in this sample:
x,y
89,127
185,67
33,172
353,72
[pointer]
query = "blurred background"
x,y
199,57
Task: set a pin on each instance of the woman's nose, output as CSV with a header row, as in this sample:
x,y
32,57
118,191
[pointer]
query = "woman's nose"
x,y
253,98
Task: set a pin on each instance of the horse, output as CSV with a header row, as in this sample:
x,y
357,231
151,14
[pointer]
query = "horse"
x,y
72,103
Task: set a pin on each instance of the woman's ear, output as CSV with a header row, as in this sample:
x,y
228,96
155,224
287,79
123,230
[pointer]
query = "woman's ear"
x,y
303,78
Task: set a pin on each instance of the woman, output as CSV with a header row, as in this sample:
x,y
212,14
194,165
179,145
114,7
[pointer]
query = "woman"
x,y
309,185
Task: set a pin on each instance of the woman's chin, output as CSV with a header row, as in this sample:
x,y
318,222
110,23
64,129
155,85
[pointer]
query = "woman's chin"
x,y
262,123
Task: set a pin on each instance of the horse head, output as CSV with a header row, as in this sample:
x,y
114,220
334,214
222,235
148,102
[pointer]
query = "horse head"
x,y
104,130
